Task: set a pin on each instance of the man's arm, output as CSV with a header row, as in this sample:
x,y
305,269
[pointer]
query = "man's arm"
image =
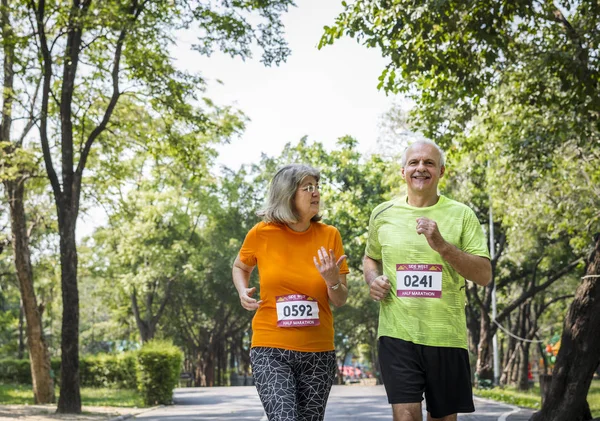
x,y
474,268
379,285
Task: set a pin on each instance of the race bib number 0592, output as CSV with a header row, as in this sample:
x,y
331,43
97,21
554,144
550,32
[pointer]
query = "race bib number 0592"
x,y
419,280
297,310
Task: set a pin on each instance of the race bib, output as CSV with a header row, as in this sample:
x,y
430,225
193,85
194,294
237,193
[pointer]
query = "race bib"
x,y
419,281
297,310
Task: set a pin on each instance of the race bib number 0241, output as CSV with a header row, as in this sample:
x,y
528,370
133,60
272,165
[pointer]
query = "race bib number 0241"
x,y
419,280
297,310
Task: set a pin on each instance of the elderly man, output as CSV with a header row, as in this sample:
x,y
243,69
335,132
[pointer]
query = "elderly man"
x,y
419,252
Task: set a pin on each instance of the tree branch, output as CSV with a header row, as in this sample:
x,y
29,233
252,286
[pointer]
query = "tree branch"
x,y
47,79
135,11
532,291
32,119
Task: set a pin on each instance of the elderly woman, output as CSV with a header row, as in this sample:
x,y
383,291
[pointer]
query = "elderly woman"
x,y
292,354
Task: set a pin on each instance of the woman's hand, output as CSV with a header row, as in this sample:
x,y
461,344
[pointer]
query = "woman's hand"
x,y
247,301
328,267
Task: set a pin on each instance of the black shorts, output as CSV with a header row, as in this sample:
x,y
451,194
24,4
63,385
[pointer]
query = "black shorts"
x,y
442,374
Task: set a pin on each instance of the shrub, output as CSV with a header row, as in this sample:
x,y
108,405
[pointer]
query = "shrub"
x,y
13,370
159,367
103,370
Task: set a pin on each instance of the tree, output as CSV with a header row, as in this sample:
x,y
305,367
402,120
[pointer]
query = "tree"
x,y
18,166
570,384
110,50
526,72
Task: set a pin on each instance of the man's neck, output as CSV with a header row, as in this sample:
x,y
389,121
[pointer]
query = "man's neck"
x,y
422,201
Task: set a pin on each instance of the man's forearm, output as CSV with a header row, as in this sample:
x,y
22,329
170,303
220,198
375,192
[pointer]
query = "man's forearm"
x,y
371,269
474,268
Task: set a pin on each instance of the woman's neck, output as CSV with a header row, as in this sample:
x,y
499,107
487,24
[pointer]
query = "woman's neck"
x,y
300,226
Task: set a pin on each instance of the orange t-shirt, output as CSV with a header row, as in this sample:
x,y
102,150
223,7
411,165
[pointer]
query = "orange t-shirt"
x,y
286,267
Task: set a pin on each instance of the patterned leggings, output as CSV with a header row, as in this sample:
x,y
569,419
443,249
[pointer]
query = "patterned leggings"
x,y
293,385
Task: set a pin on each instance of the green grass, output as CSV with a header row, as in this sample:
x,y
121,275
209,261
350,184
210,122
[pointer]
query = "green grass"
x,y
531,398
13,394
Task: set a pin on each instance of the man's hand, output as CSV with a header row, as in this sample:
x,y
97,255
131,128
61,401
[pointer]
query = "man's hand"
x,y
430,230
379,288
247,301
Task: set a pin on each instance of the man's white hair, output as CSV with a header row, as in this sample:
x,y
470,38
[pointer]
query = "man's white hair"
x,y
424,142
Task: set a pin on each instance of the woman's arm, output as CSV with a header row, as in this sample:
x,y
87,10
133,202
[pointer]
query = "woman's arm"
x,y
241,279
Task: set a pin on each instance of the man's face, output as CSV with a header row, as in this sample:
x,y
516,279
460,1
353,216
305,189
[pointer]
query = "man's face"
x,y
422,170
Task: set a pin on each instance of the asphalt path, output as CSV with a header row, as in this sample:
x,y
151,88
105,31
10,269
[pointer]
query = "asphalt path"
x,y
347,403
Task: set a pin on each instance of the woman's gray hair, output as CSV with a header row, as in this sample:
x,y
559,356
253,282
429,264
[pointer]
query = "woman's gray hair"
x,y
279,206
425,142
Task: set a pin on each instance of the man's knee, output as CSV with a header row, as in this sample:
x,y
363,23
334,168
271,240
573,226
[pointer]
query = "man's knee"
x,y
451,417
407,411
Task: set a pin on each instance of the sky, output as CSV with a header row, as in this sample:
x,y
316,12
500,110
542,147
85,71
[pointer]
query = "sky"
x,y
323,94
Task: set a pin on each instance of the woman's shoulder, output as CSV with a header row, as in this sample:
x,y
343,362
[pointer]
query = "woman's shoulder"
x,y
265,227
323,227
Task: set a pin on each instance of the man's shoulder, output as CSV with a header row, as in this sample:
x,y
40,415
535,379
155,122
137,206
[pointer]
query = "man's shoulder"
x,y
455,205
383,207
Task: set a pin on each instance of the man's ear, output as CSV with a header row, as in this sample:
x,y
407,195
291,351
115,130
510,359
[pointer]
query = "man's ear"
x,y
442,171
402,172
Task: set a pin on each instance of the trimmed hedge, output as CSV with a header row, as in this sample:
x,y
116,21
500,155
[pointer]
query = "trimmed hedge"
x,y
13,370
103,370
159,367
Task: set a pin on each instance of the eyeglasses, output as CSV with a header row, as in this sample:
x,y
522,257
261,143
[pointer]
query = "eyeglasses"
x,y
311,188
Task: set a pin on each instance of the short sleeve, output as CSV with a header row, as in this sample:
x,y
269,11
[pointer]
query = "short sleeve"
x,y
373,248
338,248
473,239
248,250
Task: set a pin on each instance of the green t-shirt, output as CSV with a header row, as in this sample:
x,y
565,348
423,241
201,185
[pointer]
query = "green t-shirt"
x,y
431,308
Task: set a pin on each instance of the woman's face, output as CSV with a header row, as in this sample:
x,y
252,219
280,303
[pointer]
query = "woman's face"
x,y
305,200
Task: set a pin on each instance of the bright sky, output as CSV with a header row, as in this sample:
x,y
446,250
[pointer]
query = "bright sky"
x,y
324,94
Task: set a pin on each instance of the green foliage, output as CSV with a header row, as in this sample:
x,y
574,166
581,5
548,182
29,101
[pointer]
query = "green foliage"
x,y
457,59
19,394
9,311
116,371
159,366
530,399
15,371
356,322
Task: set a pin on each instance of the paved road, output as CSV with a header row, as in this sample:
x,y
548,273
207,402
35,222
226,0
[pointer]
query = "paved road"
x,y
346,403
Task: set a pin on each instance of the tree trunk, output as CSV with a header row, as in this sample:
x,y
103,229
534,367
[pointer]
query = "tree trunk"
x,y
523,377
200,372
509,361
21,351
43,385
524,325
147,325
473,321
209,368
579,352
485,370
69,401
